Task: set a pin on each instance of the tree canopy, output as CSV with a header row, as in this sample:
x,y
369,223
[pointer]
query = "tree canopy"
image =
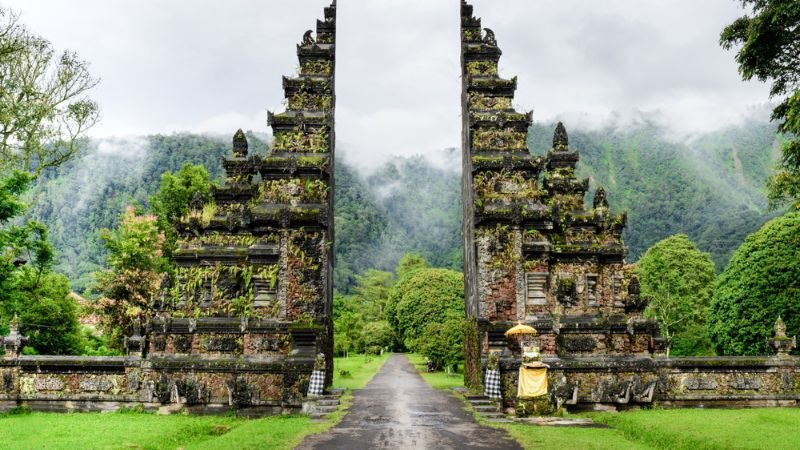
x,y
679,279
425,296
769,50
44,107
761,283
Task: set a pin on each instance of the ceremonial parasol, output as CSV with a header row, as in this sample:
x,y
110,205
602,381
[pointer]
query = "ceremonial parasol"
x,y
519,328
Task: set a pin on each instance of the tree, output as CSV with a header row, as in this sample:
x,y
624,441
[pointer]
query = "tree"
x,y
48,315
44,109
129,286
679,279
409,263
172,199
443,342
770,50
423,297
761,283
28,287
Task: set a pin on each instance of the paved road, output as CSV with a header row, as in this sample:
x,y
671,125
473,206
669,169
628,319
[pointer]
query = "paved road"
x,y
399,410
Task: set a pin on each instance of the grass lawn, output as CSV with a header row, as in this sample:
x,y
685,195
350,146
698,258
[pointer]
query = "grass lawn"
x,y
150,431
361,369
439,380
773,428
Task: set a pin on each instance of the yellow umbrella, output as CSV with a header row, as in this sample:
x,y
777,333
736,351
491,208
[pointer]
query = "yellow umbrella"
x,y
519,328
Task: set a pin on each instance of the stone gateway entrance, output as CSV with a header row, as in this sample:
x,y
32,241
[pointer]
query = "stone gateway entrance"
x,y
245,323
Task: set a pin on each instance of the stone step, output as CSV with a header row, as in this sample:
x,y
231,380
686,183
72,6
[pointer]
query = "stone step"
x,y
328,402
483,402
493,415
498,420
486,408
318,416
477,397
336,391
325,409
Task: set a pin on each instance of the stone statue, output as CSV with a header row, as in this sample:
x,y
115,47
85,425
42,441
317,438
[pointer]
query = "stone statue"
x,y
600,200
489,39
240,143
308,39
560,138
196,204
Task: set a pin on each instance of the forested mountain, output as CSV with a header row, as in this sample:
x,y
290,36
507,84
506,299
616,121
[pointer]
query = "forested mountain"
x,y
710,187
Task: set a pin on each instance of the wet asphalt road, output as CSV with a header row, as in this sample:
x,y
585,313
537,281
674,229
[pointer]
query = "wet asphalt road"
x,y
399,410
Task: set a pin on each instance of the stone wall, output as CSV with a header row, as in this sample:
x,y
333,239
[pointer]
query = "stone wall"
x,y
618,383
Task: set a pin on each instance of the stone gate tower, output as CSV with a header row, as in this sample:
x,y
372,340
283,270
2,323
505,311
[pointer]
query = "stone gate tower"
x,y
533,251
253,289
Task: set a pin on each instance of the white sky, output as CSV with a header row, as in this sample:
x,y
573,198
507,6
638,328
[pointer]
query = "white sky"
x,y
215,66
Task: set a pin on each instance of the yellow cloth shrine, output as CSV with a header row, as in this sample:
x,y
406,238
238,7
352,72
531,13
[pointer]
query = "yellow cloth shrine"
x,y
532,382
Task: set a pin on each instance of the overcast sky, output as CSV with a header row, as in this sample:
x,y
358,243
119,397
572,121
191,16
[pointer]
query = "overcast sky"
x,y
215,66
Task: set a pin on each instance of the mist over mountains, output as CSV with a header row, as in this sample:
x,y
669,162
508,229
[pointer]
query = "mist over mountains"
x,y
710,187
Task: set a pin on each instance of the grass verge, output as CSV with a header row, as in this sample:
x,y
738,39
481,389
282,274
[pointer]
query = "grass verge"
x,y
360,367
439,380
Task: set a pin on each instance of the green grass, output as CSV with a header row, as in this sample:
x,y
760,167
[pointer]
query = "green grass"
x,y
149,431
532,436
439,380
774,428
361,369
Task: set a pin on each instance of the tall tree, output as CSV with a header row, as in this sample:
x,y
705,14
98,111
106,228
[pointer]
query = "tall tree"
x,y
679,279
28,287
129,286
44,107
761,283
768,38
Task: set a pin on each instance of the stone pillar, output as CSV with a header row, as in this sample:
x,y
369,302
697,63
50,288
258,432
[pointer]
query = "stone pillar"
x,y
781,343
14,342
134,345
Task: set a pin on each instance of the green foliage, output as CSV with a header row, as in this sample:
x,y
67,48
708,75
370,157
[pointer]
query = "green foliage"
x,y
423,297
679,279
47,314
171,201
132,281
768,45
44,109
28,287
761,283
443,342
360,319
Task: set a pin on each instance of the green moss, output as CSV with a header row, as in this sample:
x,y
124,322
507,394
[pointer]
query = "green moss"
x,y
479,101
499,139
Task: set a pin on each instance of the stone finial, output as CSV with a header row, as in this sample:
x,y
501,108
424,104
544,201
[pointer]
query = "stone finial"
x,y
134,345
780,328
489,38
196,204
600,200
239,143
781,342
635,303
14,342
560,138
308,39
